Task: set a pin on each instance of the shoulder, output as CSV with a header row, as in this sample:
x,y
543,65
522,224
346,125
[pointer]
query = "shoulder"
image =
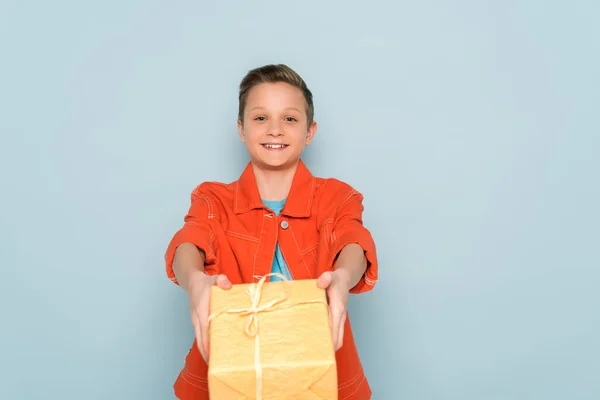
x,y
214,189
334,196
336,190
215,194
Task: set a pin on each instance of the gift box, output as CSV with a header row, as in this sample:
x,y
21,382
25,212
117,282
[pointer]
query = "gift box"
x,y
271,340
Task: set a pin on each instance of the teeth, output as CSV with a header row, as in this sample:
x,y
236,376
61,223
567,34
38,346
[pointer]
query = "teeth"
x,y
274,146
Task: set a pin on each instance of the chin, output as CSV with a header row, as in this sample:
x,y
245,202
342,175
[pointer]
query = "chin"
x,y
276,165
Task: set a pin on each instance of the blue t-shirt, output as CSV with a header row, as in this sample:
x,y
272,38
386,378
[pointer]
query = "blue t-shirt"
x,y
279,264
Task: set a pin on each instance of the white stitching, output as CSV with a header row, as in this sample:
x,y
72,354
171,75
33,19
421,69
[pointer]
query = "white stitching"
x,y
242,236
370,282
310,200
327,221
298,247
211,214
357,387
350,381
211,242
258,247
309,249
194,384
194,376
348,196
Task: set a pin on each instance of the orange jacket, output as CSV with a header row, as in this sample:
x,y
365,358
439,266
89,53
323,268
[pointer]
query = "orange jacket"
x,y
238,234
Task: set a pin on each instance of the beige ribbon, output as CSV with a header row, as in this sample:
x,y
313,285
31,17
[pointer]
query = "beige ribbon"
x,y
254,292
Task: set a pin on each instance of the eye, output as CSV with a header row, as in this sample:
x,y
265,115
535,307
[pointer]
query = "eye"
x,y
291,119
260,119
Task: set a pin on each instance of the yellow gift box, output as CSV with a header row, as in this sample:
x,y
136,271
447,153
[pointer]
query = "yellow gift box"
x,y
271,340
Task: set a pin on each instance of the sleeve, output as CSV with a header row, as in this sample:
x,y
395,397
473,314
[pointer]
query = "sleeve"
x,y
348,228
197,230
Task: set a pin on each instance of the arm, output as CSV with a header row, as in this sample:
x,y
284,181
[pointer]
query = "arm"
x,y
188,267
351,265
191,263
192,249
352,257
349,270
188,264
352,250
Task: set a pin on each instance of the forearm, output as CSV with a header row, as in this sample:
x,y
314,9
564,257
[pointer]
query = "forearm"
x,y
188,264
352,264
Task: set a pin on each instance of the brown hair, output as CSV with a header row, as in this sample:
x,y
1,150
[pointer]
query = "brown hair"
x,y
274,73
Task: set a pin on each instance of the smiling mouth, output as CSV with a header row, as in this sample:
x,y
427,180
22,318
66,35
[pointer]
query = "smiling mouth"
x,y
274,146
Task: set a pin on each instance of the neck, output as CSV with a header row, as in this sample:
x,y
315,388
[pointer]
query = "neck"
x,y
274,184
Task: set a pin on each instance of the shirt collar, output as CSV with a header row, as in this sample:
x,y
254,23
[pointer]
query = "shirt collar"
x,y
299,200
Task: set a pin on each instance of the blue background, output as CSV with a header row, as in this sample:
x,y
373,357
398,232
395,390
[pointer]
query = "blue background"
x,y
471,127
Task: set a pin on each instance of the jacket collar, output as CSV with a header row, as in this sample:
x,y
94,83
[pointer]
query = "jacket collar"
x,y
299,200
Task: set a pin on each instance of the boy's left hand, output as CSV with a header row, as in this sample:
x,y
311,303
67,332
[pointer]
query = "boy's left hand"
x,y
335,283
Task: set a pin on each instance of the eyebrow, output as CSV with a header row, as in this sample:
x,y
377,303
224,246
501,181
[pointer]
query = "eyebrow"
x,y
294,109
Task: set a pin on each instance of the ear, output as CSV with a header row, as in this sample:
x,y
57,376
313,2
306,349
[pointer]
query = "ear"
x,y
240,126
310,134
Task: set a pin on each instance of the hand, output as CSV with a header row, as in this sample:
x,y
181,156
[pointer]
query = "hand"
x,y
199,294
337,288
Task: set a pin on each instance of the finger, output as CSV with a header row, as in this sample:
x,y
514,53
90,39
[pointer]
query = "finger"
x,y
223,282
335,320
198,333
205,344
340,337
324,280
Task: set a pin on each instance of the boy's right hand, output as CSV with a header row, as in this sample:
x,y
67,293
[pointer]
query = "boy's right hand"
x,y
199,293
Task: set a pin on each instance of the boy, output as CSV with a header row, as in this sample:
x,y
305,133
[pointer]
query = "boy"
x,y
276,217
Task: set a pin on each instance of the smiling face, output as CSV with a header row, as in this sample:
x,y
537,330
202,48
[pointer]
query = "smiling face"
x,y
275,126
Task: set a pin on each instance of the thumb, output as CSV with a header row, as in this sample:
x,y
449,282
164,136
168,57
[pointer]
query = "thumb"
x,y
221,281
324,280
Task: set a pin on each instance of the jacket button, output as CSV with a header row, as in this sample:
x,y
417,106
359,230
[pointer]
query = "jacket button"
x,y
284,224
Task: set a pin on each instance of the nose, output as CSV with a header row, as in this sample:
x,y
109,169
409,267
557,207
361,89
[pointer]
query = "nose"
x,y
275,128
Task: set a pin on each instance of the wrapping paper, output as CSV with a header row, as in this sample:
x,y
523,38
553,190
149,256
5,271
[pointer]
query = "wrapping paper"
x,y
271,340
